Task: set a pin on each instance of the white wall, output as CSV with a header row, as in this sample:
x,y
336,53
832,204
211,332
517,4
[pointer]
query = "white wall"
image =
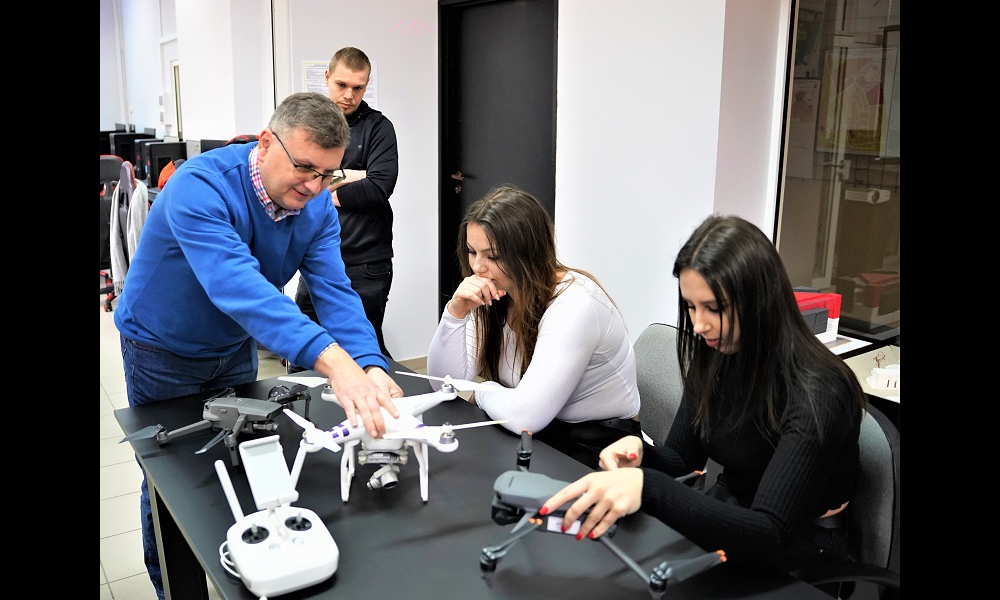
x,y
751,108
406,61
668,110
637,124
141,73
112,93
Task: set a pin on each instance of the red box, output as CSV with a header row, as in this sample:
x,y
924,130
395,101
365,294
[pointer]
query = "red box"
x,y
829,301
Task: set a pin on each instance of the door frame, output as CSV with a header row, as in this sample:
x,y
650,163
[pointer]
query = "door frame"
x,y
449,204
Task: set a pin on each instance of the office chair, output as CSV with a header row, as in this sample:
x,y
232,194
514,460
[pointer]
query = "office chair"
x,y
129,207
111,166
658,376
873,519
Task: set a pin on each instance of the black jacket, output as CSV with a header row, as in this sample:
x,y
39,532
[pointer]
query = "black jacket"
x,y
365,213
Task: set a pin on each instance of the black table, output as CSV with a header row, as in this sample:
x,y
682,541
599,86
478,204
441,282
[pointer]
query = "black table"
x,y
392,544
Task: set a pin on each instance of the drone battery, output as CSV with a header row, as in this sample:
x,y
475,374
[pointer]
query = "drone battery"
x,y
554,523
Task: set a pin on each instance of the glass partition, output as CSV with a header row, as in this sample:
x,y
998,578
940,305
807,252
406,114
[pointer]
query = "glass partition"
x,y
838,222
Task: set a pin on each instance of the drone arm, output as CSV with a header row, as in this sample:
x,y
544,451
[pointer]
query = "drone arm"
x,y
625,558
498,551
164,437
682,569
298,392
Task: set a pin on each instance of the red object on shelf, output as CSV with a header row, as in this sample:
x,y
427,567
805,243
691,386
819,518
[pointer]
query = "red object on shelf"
x,y
829,301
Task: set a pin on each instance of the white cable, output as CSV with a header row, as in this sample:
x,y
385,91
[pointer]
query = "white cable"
x,y
227,562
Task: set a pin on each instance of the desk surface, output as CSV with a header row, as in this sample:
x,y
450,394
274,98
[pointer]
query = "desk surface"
x,y
845,345
393,544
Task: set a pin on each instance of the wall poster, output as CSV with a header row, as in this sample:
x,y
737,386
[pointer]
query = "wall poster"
x,y
852,107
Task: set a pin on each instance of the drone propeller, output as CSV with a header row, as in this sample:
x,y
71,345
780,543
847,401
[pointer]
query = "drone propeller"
x,y
142,434
311,433
462,385
433,432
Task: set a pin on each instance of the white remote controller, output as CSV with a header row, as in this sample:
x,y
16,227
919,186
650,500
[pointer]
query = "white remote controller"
x,y
281,548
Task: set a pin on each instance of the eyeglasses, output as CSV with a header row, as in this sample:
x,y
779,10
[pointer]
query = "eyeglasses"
x,y
329,178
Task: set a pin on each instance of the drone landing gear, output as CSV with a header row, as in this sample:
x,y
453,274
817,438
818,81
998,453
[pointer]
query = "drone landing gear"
x,y
386,476
491,555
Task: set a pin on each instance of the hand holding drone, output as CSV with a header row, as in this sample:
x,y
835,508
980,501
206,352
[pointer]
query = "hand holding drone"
x,y
520,495
390,449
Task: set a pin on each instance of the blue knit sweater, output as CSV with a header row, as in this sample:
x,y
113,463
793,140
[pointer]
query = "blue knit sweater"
x,y
210,264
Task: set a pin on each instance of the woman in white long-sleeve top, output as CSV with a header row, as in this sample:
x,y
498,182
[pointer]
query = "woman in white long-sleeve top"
x,y
548,336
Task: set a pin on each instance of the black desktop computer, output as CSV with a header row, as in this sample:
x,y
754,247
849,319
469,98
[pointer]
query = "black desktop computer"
x,y
123,144
142,160
106,139
159,155
207,145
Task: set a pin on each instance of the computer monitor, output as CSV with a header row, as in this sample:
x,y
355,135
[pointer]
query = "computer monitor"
x,y
142,160
106,140
123,144
207,145
160,154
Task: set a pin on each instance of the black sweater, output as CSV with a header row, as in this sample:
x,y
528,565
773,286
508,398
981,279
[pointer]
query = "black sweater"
x,y
365,213
776,486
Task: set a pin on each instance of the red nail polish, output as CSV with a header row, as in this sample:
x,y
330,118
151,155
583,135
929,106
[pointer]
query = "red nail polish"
x,y
563,528
591,535
579,536
544,511
632,455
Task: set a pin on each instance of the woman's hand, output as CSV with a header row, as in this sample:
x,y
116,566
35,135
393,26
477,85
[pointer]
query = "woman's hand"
x,y
473,292
626,452
609,495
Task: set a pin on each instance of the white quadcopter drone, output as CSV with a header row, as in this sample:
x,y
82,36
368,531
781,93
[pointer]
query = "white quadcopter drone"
x,y
389,450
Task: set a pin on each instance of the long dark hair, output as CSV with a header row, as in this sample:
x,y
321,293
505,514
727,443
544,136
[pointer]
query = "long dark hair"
x,y
522,237
776,351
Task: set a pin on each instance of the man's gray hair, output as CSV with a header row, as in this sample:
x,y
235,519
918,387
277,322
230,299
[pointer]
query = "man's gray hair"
x,y
317,115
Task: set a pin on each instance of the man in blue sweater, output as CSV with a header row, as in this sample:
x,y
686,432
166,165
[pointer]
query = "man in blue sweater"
x,y
204,283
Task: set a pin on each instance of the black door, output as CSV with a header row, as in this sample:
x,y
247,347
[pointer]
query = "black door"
x,y
498,103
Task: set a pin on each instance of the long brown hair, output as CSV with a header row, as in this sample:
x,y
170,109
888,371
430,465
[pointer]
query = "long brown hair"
x,y
522,238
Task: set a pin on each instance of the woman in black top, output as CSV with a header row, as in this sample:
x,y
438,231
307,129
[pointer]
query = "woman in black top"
x,y
762,397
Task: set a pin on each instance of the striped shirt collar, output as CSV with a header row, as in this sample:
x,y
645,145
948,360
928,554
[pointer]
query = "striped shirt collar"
x,y
275,212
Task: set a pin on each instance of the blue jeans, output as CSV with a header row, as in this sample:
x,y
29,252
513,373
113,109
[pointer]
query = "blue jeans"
x,y
372,282
153,375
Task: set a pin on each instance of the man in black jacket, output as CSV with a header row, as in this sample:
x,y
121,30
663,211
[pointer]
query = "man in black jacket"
x,y
362,199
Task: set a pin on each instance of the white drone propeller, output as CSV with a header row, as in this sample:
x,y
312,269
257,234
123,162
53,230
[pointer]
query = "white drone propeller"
x,y
462,385
432,432
313,434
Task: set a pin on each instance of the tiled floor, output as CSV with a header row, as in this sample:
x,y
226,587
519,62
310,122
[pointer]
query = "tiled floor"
x,y
123,573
